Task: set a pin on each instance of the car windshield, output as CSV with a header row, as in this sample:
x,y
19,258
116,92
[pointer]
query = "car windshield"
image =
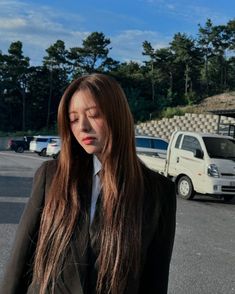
x,y
220,147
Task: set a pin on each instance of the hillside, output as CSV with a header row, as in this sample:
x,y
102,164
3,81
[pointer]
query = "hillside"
x,y
194,118
225,101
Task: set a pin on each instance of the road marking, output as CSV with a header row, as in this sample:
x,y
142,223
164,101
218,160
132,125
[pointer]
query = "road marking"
x,y
14,199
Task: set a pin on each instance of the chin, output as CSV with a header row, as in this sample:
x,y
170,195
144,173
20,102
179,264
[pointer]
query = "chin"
x,y
92,150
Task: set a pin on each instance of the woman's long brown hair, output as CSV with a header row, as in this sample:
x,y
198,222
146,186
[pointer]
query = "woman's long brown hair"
x,y
122,197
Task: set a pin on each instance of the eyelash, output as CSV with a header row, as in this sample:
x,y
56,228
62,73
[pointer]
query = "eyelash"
x,y
74,121
93,115
96,115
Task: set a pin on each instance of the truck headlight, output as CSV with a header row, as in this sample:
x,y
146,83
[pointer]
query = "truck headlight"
x,y
212,171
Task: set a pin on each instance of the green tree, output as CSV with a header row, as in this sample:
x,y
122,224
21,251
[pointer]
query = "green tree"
x,y
93,55
38,86
15,70
56,61
149,51
131,75
188,58
230,30
4,110
165,73
75,61
214,42
205,42
221,44
231,73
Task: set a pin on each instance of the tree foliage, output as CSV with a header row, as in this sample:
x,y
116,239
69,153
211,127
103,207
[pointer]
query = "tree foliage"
x,y
182,73
93,55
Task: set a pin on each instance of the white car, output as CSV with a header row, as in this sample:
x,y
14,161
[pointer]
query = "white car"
x,y
39,144
53,148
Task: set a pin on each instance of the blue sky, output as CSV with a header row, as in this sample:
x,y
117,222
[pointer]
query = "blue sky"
x,y
127,23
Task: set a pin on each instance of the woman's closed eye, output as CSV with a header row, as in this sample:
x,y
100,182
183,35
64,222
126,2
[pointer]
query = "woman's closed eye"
x,y
73,120
93,113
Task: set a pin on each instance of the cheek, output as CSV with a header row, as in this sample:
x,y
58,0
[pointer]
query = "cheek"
x,y
100,127
103,130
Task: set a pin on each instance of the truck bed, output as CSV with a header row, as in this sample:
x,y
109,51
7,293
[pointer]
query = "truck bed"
x,y
154,162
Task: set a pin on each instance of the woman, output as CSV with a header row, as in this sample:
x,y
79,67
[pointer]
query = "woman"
x,y
98,220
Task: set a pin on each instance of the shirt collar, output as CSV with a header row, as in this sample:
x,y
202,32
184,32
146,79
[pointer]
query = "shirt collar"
x,y
96,165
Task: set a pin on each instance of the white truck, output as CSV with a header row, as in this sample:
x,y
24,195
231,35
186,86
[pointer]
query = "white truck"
x,y
198,163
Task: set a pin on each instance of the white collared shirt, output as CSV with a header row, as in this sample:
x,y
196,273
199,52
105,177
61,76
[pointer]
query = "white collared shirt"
x,y
96,187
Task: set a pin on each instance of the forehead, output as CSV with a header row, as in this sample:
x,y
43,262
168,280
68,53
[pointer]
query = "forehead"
x,y
82,99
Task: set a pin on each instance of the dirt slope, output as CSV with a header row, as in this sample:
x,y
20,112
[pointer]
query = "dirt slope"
x,y
225,101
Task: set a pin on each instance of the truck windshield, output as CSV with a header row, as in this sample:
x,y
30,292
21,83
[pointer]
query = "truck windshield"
x,y
220,147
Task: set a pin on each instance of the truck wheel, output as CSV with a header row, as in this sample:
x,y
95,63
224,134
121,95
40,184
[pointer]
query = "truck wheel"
x,y
55,156
43,152
20,149
228,198
185,188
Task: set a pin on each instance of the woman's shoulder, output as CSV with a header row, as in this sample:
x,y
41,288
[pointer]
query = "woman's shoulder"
x,y
159,196
46,171
51,164
159,190
43,178
153,179
48,166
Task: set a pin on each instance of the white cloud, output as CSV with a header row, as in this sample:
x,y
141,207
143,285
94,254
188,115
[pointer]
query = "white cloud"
x,y
9,24
170,6
189,12
127,45
37,27
40,26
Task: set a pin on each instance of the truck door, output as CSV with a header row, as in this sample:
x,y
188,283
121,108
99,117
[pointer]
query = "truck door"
x,y
173,156
188,163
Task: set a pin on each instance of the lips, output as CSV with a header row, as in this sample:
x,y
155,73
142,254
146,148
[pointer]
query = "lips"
x,y
88,140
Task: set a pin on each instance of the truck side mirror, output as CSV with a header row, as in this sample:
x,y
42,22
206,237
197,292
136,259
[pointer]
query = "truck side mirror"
x,y
198,153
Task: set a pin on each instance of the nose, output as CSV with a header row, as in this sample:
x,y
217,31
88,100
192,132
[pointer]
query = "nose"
x,y
84,124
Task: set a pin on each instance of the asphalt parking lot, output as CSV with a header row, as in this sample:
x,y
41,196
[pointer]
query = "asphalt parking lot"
x,y
203,260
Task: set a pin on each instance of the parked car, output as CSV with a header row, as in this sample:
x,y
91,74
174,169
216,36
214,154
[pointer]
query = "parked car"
x,y
20,145
53,148
39,144
151,145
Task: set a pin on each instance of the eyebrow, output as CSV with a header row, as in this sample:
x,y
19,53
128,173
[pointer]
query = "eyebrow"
x,y
86,109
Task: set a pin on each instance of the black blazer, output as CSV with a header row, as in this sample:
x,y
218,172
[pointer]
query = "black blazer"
x,y
80,269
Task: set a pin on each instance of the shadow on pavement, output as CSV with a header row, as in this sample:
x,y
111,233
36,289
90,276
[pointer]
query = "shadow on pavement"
x,y
15,186
11,186
214,200
10,213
